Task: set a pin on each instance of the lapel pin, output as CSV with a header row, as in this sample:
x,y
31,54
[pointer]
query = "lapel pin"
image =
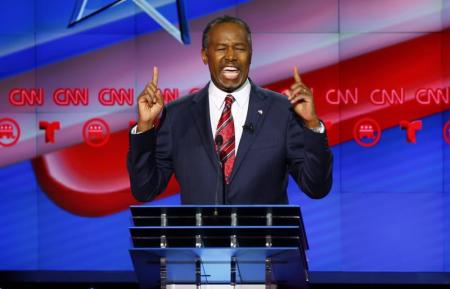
x,y
260,112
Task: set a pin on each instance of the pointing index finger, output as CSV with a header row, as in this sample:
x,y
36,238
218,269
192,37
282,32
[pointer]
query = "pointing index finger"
x,y
297,75
155,76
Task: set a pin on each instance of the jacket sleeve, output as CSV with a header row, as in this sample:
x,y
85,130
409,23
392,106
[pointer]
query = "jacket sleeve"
x,y
149,161
310,159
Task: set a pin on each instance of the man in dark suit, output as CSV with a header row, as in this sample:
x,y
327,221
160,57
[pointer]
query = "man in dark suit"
x,y
232,142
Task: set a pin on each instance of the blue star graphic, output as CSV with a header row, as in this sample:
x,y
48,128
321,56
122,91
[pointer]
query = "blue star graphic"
x,y
181,34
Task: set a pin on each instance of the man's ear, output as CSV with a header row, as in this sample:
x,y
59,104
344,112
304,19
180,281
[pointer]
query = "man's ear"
x,y
204,56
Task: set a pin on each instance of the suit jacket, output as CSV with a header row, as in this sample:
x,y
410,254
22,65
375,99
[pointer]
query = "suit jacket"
x,y
274,144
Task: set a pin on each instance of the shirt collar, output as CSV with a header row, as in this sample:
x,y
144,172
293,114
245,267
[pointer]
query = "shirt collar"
x,y
241,95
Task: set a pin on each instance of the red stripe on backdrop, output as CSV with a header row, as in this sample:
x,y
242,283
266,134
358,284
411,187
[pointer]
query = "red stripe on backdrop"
x,y
411,65
91,182
418,63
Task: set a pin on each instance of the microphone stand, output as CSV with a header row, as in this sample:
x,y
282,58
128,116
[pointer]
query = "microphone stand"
x,y
219,182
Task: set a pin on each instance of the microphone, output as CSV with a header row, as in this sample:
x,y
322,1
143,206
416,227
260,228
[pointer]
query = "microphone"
x,y
249,127
218,140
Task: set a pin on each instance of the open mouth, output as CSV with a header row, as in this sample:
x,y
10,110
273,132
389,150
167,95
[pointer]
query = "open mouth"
x,y
230,72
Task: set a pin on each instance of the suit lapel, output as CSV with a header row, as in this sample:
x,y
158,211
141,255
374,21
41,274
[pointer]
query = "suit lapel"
x,y
257,110
200,113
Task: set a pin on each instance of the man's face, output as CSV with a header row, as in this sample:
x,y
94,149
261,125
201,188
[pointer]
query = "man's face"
x,y
228,55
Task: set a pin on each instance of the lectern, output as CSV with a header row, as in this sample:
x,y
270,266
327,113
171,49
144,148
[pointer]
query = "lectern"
x,y
230,245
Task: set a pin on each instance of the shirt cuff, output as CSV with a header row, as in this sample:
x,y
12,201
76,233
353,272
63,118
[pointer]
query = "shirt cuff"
x,y
319,129
134,130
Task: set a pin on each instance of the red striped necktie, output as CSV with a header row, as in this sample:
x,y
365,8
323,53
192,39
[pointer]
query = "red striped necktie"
x,y
225,128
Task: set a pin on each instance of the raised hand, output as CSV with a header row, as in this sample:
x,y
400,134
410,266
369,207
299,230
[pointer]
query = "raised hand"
x,y
150,104
302,101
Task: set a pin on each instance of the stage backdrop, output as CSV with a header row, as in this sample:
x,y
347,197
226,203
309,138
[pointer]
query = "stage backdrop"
x,y
380,71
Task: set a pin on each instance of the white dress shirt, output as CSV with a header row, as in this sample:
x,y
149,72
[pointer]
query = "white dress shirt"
x,y
239,108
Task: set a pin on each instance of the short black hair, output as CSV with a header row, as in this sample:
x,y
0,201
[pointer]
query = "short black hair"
x,y
225,19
